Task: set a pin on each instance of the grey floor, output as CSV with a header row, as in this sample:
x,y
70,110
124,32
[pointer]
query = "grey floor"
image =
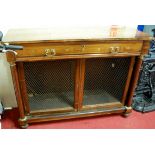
x,y
97,97
51,101
66,99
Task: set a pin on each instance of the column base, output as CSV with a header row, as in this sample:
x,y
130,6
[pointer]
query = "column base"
x,y
23,122
127,111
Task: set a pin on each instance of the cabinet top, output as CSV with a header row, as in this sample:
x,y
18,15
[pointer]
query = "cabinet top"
x,y
73,34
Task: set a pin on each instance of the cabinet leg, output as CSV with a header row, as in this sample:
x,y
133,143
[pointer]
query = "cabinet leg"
x,y
23,122
127,111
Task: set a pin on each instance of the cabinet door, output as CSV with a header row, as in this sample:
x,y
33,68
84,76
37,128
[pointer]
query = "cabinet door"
x,y
49,85
106,81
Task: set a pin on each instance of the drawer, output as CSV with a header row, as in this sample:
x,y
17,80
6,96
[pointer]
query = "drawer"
x,y
134,47
48,50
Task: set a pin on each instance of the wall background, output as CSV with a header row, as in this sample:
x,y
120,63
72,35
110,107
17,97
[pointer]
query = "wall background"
x,y
7,94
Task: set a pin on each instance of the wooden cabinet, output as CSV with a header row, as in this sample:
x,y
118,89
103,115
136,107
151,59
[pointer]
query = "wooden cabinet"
x,y
62,79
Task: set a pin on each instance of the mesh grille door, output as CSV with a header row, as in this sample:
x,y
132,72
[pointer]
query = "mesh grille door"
x,y
105,80
50,84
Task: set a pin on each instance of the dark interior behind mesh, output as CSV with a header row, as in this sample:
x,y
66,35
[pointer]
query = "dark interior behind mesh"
x,y
105,80
50,84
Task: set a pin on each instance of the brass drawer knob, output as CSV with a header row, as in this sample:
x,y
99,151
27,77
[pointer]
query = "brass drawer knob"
x,y
50,52
83,47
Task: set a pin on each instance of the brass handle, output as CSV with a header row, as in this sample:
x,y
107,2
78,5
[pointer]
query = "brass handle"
x,y
50,52
114,50
117,49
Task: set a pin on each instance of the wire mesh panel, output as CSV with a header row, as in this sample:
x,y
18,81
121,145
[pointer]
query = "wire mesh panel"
x,y
105,80
50,84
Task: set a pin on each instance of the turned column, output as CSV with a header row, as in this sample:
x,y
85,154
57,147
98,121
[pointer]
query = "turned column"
x,y
11,58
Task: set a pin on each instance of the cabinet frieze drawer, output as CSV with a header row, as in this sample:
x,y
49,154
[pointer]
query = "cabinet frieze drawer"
x,y
36,51
113,48
55,50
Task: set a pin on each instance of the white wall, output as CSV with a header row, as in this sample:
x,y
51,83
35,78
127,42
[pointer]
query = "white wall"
x,y
7,94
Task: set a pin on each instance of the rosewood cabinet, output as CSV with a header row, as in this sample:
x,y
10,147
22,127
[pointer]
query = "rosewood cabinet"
x,y
63,78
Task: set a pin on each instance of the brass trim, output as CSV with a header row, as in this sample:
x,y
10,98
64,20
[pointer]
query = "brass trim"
x,y
141,57
23,119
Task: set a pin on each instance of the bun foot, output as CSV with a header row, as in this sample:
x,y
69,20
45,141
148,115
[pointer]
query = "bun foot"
x,y
24,126
23,122
125,115
127,111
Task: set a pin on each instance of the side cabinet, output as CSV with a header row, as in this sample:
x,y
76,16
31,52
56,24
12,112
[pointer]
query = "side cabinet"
x,y
71,79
